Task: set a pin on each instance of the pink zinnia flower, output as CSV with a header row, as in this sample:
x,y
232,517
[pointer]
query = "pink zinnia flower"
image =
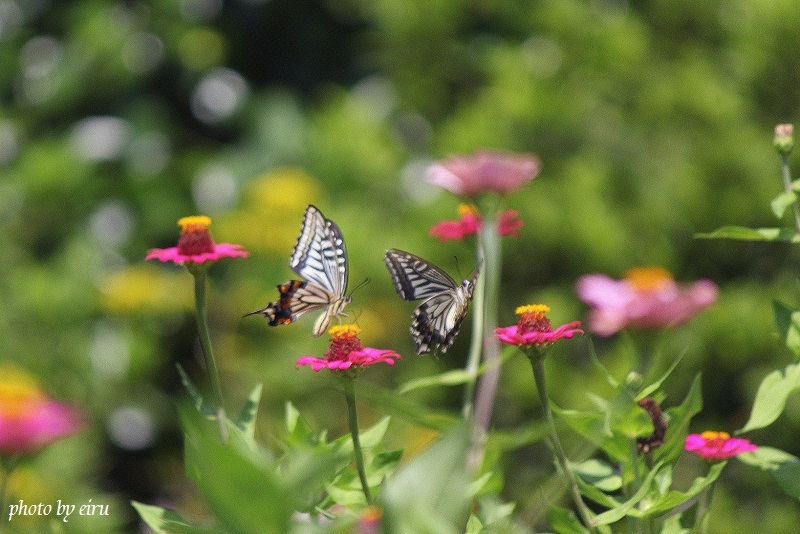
x,y
534,328
717,445
470,222
195,244
29,420
346,352
647,297
483,171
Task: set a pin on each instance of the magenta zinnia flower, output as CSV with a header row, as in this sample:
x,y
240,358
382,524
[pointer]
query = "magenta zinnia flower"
x,y
195,244
29,420
534,328
483,171
648,297
716,446
470,222
346,352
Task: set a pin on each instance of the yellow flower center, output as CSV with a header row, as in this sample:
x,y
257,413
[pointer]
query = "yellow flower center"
x,y
710,435
535,309
195,237
467,209
533,318
19,393
194,221
344,330
648,278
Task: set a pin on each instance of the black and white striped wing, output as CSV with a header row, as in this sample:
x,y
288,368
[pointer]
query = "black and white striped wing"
x,y
320,255
415,278
437,320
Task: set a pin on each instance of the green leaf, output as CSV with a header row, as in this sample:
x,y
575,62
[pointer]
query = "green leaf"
x,y
564,521
247,417
400,406
647,391
752,234
672,525
787,320
450,378
599,474
224,473
673,499
205,409
474,525
431,493
784,467
455,377
679,418
771,397
617,513
369,438
166,521
781,202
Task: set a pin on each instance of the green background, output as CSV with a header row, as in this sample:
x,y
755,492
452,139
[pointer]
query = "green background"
x,y
652,119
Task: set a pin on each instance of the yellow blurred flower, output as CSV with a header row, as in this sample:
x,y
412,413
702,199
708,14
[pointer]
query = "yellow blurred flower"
x,y
272,210
141,288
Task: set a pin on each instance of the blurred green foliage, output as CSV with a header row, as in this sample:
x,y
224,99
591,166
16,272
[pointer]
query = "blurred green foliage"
x,y
653,121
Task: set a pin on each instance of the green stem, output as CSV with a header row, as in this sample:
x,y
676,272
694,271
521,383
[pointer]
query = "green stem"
x,y
642,526
352,416
787,186
537,362
703,506
476,342
205,344
485,320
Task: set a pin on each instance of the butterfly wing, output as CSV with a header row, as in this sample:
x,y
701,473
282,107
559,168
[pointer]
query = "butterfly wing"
x,y
320,255
415,278
437,320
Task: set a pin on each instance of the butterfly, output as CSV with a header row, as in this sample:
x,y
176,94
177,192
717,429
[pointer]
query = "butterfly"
x,y
438,318
320,257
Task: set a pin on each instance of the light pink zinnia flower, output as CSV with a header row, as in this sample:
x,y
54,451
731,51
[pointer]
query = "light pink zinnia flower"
x,y
534,328
717,445
29,420
483,171
195,244
470,222
648,297
346,352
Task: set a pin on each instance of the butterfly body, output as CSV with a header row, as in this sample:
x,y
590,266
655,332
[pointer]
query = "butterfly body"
x,y
319,256
436,321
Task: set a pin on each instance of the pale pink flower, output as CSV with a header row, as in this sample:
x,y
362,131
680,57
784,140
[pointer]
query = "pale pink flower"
x,y
717,445
534,328
195,244
484,171
648,297
29,420
346,352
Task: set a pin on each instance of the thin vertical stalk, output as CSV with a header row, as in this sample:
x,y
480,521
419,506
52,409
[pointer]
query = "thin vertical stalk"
x,y
484,343
352,416
787,186
205,345
537,362
476,342
703,505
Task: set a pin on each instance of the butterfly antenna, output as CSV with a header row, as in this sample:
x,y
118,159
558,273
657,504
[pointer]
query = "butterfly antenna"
x,y
359,286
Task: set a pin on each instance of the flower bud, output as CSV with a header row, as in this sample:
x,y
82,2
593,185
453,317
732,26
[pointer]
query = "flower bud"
x,y
784,138
634,381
